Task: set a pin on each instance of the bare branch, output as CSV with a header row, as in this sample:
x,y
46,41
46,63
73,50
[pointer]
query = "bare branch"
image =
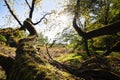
x,y
28,4
52,43
11,11
32,9
41,19
47,51
80,32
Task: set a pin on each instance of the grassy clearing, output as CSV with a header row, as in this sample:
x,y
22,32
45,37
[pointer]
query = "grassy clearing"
x,y
72,59
68,57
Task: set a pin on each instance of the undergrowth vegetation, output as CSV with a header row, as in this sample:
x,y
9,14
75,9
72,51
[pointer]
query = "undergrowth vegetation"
x,y
58,53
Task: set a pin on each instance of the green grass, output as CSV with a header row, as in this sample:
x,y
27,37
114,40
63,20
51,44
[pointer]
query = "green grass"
x,y
69,57
115,54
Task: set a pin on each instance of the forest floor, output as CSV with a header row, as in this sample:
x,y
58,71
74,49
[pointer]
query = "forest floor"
x,y
7,51
60,54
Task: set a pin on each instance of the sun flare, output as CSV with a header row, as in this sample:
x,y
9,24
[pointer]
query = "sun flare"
x,y
63,18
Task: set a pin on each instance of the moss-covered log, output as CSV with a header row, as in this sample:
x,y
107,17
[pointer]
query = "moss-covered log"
x,y
29,64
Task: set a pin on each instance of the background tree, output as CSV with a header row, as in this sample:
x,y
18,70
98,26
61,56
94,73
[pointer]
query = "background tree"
x,y
42,39
95,13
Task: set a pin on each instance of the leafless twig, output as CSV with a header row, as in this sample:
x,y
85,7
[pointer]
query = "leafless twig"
x,y
47,51
42,18
28,4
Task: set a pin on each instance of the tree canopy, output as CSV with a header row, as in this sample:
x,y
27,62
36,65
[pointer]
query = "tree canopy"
x,y
96,18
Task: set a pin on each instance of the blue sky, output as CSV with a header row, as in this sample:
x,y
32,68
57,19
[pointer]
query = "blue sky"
x,y
56,22
20,10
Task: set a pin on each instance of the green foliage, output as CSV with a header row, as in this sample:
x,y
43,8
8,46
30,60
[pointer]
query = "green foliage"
x,y
115,54
71,45
96,14
70,36
2,38
69,57
72,59
11,36
42,40
115,11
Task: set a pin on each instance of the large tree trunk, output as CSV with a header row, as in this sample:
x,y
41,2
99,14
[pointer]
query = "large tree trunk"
x,y
29,63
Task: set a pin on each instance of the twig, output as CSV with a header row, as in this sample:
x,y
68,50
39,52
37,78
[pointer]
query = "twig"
x,y
11,11
79,31
28,4
48,52
41,18
52,43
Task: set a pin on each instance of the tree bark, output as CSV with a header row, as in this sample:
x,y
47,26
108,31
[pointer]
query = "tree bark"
x,y
106,30
28,25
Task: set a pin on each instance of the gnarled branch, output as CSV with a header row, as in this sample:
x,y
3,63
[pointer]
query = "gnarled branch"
x,y
80,32
28,25
41,19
